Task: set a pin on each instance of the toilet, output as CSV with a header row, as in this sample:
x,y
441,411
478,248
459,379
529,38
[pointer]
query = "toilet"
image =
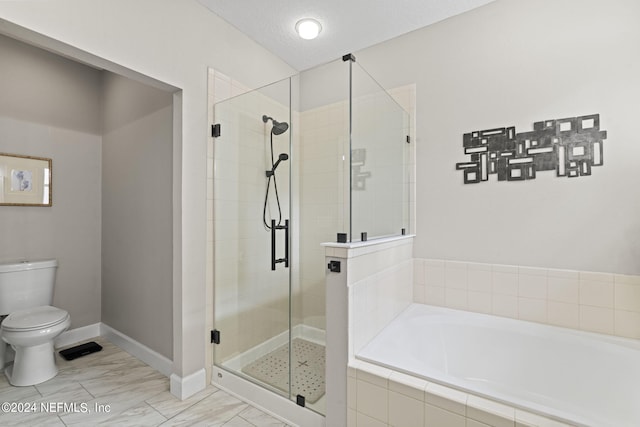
x,y
31,324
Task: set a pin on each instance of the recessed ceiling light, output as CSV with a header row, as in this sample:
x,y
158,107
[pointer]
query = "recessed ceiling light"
x,y
308,28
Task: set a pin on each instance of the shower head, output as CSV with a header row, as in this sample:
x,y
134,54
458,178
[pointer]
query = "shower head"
x,y
278,128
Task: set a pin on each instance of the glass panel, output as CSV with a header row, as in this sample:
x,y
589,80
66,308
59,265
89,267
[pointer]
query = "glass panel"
x,y
252,161
320,202
325,150
379,160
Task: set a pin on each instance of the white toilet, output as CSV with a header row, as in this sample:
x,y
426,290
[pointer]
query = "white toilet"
x,y
31,323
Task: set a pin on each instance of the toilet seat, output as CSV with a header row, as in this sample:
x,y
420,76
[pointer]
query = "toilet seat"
x,y
35,318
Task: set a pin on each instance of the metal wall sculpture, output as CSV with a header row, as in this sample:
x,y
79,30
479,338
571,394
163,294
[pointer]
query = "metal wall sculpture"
x,y
570,146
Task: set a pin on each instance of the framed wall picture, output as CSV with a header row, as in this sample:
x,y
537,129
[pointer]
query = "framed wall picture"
x,y
25,180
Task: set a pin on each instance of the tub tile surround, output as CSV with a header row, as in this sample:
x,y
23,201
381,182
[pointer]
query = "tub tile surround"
x,y
590,301
377,396
383,397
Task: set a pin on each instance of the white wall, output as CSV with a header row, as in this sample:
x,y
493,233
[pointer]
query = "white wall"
x,y
514,63
172,41
50,107
136,212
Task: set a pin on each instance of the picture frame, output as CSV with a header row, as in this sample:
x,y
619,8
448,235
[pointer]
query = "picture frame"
x,y
25,180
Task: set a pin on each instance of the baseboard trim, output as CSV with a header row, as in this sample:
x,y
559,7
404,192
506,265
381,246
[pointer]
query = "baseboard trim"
x,y
138,350
184,387
73,336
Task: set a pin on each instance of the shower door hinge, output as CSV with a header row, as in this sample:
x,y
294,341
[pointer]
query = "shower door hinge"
x,y
215,336
334,266
408,139
349,57
215,130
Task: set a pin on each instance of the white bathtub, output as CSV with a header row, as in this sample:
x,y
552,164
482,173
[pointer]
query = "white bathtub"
x,y
576,377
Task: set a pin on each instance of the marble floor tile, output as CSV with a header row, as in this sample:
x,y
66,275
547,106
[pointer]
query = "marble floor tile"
x,y
35,419
238,421
260,419
169,405
138,416
113,388
214,410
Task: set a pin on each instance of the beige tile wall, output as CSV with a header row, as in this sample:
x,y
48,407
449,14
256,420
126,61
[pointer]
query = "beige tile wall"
x,y
590,301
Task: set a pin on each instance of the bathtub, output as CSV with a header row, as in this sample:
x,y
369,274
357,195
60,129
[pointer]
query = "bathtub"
x,y
575,377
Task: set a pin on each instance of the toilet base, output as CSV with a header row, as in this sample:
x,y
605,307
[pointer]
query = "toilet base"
x,y
32,365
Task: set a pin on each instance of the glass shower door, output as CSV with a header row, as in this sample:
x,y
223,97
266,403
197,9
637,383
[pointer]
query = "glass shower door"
x,y
251,217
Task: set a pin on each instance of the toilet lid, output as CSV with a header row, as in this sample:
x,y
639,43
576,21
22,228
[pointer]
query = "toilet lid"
x,y
34,318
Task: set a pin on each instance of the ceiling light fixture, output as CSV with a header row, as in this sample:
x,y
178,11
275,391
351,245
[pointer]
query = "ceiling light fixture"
x,y
308,28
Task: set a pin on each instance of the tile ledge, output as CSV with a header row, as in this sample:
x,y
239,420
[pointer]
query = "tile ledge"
x,y
352,249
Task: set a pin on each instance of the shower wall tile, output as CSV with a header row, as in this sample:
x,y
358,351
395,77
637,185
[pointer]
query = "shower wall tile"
x,y
593,301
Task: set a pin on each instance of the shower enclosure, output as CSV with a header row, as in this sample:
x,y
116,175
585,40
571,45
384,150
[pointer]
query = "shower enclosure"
x,y
320,156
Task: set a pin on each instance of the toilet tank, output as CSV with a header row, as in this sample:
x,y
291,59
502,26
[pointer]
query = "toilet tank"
x,y
26,284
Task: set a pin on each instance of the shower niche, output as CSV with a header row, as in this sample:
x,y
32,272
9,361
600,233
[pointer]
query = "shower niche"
x,y
295,163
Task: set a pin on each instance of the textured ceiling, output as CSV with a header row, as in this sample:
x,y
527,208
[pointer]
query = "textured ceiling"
x,y
347,25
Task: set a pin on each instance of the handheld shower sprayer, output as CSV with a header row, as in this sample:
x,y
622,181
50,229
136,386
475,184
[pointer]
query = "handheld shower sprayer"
x,y
277,128
281,158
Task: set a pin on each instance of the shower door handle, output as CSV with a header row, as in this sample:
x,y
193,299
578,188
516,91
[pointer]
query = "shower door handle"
x,y
275,227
